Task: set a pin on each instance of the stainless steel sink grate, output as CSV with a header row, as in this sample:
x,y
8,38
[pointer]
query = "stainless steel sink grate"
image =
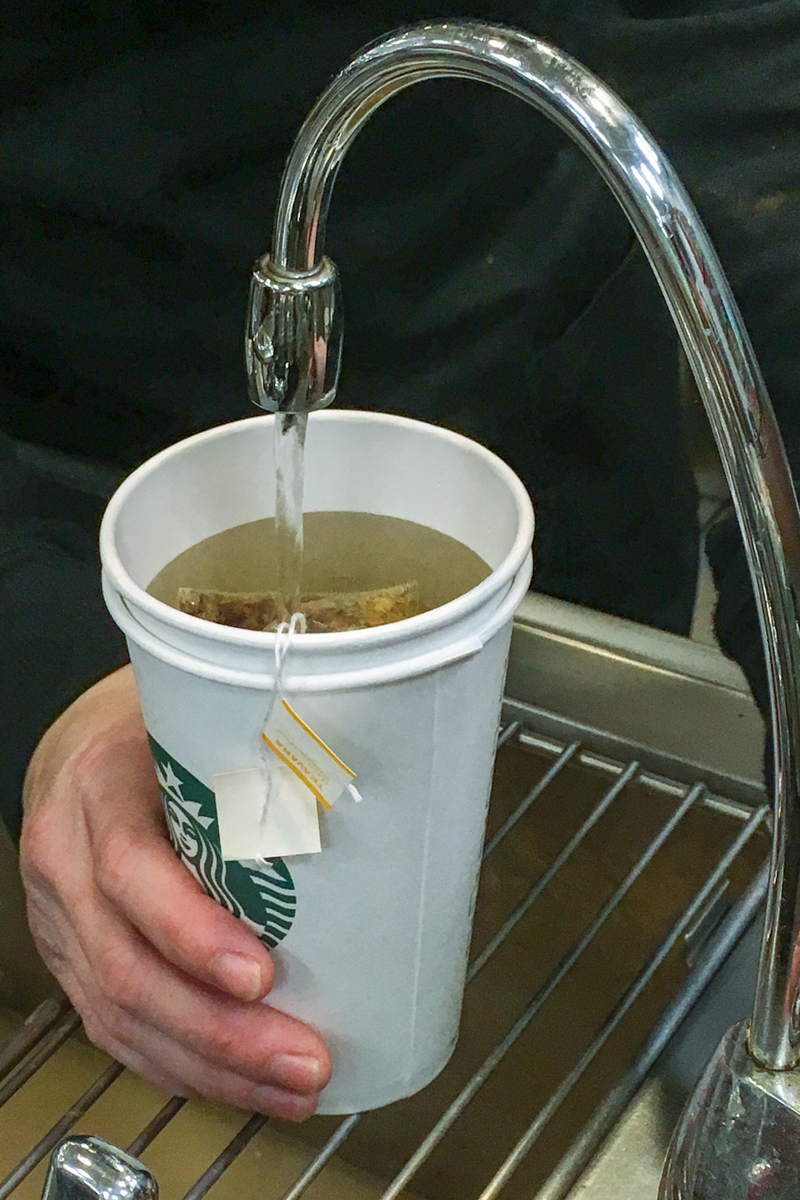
x,y
710,918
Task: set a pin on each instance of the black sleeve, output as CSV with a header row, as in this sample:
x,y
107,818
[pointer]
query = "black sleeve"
x,y
56,637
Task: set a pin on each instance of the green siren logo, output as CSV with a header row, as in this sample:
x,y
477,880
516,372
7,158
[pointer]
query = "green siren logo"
x,y
264,899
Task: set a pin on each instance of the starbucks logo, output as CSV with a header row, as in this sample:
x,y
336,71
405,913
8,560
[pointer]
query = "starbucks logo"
x,y
264,900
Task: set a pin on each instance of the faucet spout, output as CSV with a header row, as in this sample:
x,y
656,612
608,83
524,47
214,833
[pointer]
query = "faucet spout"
x,y
293,343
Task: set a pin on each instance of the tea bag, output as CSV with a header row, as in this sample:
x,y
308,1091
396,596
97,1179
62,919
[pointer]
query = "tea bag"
x,y
325,612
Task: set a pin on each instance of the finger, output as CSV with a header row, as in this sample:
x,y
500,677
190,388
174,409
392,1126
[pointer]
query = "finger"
x,y
141,875
138,872
259,1042
178,1070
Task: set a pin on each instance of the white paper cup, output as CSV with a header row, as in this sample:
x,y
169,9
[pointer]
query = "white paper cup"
x,y
371,935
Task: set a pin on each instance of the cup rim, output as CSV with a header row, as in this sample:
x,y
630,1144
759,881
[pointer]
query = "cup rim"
x,y
407,629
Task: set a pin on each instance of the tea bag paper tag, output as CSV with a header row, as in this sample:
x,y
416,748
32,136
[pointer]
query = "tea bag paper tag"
x,y
290,824
306,755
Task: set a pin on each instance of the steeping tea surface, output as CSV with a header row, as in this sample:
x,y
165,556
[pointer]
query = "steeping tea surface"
x,y
344,552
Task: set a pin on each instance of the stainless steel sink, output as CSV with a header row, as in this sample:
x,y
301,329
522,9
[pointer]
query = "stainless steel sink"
x,y
614,942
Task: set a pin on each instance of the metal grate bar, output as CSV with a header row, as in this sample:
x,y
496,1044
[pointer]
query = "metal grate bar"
x,y
322,1158
220,1164
544,879
448,1118
46,1048
335,1141
609,1111
61,1127
154,1128
53,1022
532,795
543,732
22,1041
631,994
507,733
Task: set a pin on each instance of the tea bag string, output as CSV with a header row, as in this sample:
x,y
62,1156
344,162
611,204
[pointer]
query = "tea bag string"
x,y
284,636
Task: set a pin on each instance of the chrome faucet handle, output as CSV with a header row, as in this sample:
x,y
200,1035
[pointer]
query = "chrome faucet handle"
x,y
87,1168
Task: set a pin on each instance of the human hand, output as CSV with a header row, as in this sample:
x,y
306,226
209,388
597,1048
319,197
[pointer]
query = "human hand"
x,y
164,978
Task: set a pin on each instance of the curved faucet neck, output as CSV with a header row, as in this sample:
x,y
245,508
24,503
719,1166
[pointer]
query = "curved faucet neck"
x,y
292,349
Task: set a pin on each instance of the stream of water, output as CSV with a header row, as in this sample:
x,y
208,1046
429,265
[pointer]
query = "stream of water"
x,y
290,440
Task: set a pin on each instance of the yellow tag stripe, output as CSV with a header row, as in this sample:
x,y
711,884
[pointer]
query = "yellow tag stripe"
x,y
318,740
293,767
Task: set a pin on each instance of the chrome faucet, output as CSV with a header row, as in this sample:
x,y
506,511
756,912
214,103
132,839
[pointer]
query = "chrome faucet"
x,y
293,353
87,1168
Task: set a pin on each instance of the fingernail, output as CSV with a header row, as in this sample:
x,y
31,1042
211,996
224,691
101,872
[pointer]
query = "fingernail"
x,y
239,974
286,1105
300,1072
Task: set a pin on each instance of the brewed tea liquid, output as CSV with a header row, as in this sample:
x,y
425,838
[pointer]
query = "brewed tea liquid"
x,y
343,552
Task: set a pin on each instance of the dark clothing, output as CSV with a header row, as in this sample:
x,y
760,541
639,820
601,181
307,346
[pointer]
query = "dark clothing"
x,y
490,282
57,637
